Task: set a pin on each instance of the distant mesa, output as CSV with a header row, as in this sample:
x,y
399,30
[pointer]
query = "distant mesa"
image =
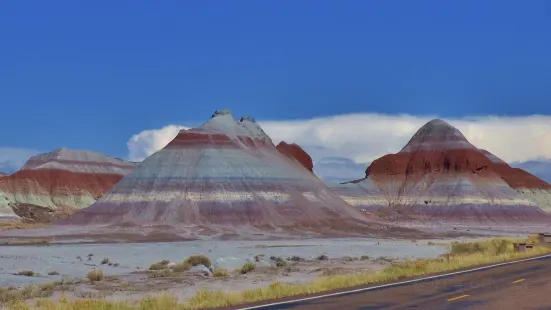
x,y
225,177
57,183
296,153
439,176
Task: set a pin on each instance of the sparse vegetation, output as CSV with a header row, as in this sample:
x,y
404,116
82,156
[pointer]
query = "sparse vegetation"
x,y
398,270
105,261
181,267
116,265
364,257
323,257
281,263
12,295
95,275
53,273
196,260
248,267
20,225
160,273
27,273
220,272
159,265
295,259
32,241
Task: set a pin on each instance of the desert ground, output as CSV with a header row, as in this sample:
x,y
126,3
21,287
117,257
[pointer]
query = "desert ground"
x,y
127,275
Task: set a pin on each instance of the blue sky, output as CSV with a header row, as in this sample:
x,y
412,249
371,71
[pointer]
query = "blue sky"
x,y
89,76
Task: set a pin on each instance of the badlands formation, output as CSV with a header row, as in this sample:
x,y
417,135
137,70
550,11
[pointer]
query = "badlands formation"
x,y
223,178
56,183
526,184
439,177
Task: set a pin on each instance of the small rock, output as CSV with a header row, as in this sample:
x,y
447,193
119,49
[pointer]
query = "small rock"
x,y
201,269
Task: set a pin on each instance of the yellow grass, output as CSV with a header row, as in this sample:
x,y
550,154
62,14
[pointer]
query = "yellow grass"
x,y
20,225
463,255
95,275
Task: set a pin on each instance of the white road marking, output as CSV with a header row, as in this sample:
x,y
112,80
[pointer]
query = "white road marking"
x,y
396,284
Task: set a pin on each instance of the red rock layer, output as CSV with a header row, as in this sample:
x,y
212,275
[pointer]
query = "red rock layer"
x,y
515,177
58,182
441,176
44,194
295,152
423,162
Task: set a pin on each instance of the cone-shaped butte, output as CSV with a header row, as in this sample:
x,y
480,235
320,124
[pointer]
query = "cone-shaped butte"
x,y
526,184
224,175
439,176
57,183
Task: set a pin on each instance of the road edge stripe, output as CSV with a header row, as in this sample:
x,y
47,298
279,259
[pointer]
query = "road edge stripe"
x,y
398,283
517,281
458,297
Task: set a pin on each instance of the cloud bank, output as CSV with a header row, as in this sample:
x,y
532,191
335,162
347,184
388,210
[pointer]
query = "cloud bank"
x,y
365,137
11,158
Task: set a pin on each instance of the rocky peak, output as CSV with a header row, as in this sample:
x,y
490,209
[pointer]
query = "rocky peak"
x,y
437,134
295,152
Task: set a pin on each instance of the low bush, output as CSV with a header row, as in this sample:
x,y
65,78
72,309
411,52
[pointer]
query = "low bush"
x,y
323,257
364,257
248,267
27,273
105,261
95,275
159,265
160,273
196,260
53,273
220,272
181,267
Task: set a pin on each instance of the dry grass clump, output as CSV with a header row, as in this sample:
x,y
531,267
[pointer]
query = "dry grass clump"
x,y
181,267
19,225
28,273
160,273
95,275
196,260
12,295
159,265
32,241
220,272
248,267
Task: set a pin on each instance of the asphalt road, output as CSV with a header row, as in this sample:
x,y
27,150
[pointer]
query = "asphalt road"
x,y
524,285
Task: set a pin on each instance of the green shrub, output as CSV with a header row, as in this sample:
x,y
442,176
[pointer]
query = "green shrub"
x,y
364,257
323,257
248,267
196,260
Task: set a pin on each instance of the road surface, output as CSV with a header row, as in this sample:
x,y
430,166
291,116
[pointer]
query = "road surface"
x,y
524,285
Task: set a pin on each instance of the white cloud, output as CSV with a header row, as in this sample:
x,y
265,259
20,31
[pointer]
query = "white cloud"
x,y
11,158
365,137
148,142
